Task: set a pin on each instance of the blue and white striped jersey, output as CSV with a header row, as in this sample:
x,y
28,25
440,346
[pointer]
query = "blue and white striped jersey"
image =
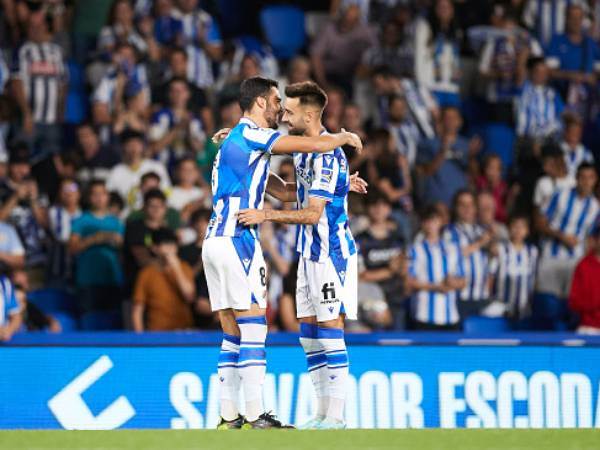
x,y
432,263
406,138
547,17
239,177
8,300
325,176
104,92
476,265
571,214
574,157
514,270
538,111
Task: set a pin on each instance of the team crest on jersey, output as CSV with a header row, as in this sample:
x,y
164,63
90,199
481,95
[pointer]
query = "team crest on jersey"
x,y
328,161
326,175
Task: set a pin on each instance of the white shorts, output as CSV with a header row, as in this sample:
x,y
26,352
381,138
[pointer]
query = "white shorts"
x,y
554,276
324,291
236,272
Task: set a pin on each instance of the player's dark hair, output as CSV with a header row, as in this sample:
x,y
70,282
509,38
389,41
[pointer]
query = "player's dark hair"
x,y
154,194
252,88
308,92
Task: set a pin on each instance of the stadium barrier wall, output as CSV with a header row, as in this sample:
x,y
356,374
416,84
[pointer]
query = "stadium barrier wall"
x,y
160,380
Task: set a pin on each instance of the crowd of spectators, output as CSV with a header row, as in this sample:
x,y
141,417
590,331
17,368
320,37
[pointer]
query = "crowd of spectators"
x,y
481,125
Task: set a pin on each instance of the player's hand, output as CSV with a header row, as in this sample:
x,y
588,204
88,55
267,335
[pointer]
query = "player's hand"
x,y
220,135
357,184
353,140
252,216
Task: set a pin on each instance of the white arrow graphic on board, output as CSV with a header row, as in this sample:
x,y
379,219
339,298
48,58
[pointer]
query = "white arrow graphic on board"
x,y
73,413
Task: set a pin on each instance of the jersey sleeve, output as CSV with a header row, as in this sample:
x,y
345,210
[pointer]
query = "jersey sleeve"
x,y
11,306
15,245
326,170
260,138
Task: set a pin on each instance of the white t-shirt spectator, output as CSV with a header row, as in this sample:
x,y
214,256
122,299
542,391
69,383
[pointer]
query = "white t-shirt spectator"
x,y
125,180
180,197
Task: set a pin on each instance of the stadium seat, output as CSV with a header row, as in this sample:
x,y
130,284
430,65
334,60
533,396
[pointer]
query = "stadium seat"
x,y
500,139
100,320
549,312
485,325
67,321
76,108
283,27
53,300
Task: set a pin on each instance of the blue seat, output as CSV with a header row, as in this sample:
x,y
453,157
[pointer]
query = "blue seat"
x,y
283,27
549,312
52,300
500,139
485,325
76,110
101,320
67,321
76,76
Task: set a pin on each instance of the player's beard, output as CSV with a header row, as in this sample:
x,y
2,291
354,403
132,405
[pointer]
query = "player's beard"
x,y
272,117
296,131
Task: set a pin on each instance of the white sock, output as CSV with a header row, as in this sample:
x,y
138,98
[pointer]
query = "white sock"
x,y
316,362
252,363
332,340
228,376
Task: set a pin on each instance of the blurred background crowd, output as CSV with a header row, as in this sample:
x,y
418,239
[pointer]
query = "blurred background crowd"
x,y
481,125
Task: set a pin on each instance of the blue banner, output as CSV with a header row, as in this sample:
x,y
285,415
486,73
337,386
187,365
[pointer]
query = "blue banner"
x,y
390,387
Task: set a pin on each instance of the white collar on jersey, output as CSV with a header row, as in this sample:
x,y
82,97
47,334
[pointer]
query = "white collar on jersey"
x,y
248,121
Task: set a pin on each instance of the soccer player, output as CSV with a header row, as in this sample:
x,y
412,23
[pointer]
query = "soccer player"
x,y
326,291
233,260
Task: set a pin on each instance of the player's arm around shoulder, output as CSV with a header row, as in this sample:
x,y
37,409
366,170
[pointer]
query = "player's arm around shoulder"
x,y
319,144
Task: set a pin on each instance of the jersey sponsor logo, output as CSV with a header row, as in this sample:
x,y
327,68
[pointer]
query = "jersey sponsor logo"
x,y
246,262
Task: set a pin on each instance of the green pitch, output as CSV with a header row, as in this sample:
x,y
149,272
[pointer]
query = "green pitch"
x,y
310,440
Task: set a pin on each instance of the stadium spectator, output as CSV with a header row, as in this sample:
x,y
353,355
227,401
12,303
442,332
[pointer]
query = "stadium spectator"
x,y
382,258
338,49
491,180
190,192
565,223
443,161
555,177
12,253
514,269
132,113
164,291
120,29
486,217
539,105
503,63
435,276
202,37
138,244
403,130
192,255
175,131
60,217
33,317
437,53
574,58
25,209
574,151
584,296
96,237
125,73
39,77
97,160
546,18
180,67
11,316
125,177
473,241
151,182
